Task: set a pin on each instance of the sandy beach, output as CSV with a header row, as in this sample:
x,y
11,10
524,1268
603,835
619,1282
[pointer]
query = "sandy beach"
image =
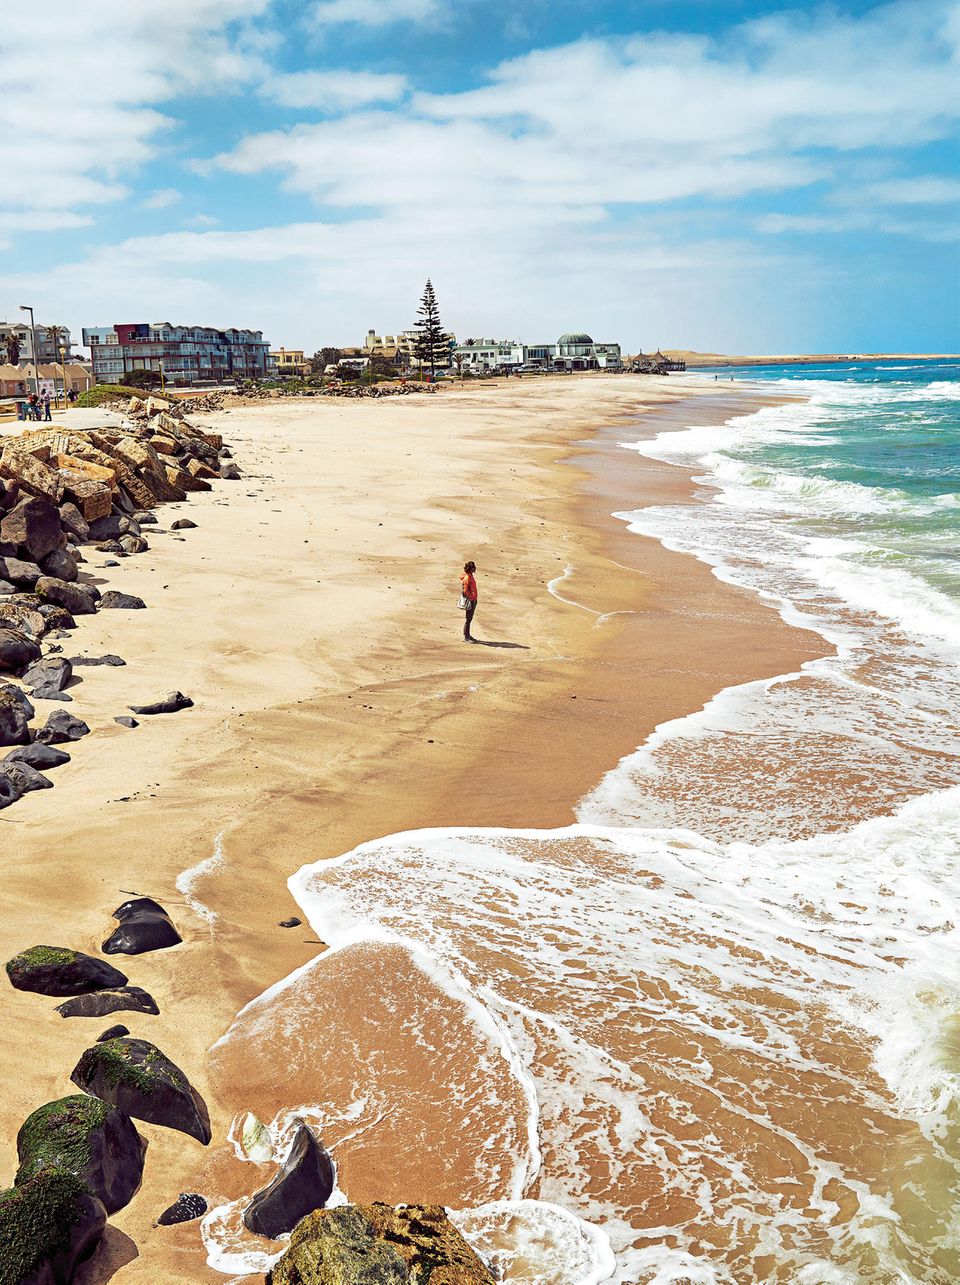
x,y
312,618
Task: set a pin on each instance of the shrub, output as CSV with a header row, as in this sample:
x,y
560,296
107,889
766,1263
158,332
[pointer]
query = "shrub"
x,y
141,379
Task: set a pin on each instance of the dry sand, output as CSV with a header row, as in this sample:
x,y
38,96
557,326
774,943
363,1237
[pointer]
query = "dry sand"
x,y
312,617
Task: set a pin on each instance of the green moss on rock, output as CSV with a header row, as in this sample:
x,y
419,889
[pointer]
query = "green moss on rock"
x,y
142,1081
58,970
48,1225
37,957
58,1135
378,1245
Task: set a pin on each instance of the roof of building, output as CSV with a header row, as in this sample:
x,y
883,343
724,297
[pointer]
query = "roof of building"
x,y
575,337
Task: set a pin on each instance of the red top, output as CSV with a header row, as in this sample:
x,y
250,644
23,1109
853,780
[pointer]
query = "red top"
x,y
469,585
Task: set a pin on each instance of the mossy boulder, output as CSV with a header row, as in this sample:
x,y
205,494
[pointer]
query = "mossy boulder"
x,y
48,1225
136,1077
303,1183
58,970
90,1138
379,1245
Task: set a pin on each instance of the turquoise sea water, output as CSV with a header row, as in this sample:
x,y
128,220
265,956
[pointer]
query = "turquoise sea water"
x,y
879,460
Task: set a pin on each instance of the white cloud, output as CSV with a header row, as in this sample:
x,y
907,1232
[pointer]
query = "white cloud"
x,y
605,124
79,109
41,220
374,13
939,231
333,91
922,190
162,199
201,221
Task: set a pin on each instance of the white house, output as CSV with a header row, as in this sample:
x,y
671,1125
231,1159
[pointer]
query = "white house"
x,y
572,351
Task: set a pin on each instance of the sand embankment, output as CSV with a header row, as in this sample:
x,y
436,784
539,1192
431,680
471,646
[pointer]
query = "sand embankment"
x,y
312,618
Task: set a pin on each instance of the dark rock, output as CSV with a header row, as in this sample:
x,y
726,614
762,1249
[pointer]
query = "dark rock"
x,y
15,714
144,925
89,1138
109,659
33,525
110,563
110,546
230,472
102,1003
56,617
135,1076
24,777
6,587
49,675
127,601
19,572
42,757
378,1245
184,1210
303,1183
292,922
183,524
112,527
76,599
61,565
133,544
72,520
17,651
10,791
169,704
112,1033
48,1226
145,518
61,727
126,721
58,970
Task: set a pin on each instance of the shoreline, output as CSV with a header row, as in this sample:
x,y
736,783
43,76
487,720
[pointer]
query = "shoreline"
x,y
492,751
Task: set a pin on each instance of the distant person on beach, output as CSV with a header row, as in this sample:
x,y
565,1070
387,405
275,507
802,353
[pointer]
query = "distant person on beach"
x,y
468,588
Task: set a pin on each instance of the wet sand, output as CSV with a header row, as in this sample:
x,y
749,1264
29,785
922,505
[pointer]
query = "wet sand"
x,y
312,618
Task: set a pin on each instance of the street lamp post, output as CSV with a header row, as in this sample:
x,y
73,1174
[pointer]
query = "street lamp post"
x,y
33,345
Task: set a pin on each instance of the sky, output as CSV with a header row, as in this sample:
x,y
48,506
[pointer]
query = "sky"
x,y
722,175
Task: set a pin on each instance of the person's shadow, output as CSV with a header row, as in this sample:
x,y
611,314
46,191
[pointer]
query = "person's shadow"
x,y
483,642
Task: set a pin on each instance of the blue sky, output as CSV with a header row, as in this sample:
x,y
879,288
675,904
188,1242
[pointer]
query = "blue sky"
x,y
736,177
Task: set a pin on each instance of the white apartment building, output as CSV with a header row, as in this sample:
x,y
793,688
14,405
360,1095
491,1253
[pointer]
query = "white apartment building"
x,y
47,349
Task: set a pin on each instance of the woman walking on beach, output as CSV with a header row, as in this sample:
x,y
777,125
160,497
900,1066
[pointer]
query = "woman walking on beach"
x,y
468,590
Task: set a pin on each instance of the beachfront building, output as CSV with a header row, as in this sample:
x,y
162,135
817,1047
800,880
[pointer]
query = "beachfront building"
x,y
476,355
401,349
577,351
288,362
183,354
19,381
50,347
572,351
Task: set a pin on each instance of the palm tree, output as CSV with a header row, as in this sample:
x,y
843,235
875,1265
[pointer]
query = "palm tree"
x,y
13,349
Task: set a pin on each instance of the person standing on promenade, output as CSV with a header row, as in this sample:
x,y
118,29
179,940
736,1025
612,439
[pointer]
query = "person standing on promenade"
x,y
468,589
45,400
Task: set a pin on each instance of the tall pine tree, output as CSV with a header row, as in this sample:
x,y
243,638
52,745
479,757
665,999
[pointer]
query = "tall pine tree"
x,y
431,342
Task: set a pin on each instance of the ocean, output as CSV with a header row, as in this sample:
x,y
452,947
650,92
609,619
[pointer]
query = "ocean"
x,y
711,1033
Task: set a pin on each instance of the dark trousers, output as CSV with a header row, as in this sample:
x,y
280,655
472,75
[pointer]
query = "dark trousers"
x,y
468,618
